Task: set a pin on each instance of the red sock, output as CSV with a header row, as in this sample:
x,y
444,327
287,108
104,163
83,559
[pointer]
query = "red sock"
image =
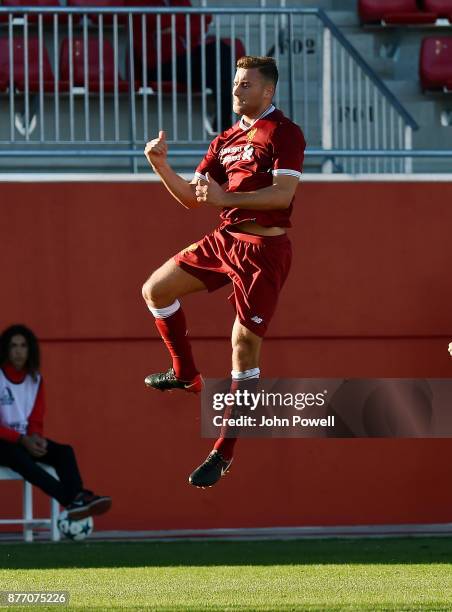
x,y
173,330
225,445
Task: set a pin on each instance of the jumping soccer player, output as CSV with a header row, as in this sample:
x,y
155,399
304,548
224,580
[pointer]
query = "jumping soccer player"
x,y
250,172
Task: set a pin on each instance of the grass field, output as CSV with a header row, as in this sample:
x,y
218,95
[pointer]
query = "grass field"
x,y
365,575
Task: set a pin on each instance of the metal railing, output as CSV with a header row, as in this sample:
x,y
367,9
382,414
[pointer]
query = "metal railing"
x,y
102,81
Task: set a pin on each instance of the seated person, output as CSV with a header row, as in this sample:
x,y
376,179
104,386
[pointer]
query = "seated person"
x,y
182,44
22,444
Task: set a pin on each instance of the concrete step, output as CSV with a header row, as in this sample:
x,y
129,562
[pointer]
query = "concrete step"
x,y
426,109
406,90
328,5
323,4
432,166
369,50
345,20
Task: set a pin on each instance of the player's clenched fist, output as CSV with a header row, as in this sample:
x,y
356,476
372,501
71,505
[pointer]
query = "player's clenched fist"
x,y
156,150
209,192
450,349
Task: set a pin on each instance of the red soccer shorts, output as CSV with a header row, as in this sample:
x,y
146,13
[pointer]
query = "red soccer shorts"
x,y
257,266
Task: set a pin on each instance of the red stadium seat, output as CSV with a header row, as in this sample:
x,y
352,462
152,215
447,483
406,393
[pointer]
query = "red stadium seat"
x,y
166,34
21,3
441,8
393,12
4,74
108,19
100,3
78,59
19,65
435,63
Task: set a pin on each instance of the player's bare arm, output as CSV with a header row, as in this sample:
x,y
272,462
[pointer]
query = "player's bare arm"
x,y
156,152
276,196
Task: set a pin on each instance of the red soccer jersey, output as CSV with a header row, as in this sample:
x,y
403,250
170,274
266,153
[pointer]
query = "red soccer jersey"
x,y
247,157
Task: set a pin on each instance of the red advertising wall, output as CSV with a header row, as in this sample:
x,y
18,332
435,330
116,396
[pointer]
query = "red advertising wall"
x,y
370,295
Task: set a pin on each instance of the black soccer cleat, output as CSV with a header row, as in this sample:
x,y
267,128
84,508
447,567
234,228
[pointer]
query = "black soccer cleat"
x,y
210,472
167,381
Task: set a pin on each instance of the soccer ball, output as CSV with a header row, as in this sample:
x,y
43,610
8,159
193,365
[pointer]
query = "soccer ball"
x,y
75,530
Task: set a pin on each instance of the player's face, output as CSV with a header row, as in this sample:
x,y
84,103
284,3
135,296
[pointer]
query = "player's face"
x,y
251,93
18,351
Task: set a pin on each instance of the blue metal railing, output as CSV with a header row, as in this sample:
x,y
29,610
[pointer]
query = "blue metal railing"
x,y
359,134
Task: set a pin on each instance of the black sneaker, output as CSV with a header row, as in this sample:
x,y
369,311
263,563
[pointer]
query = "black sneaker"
x,y
210,472
88,504
167,381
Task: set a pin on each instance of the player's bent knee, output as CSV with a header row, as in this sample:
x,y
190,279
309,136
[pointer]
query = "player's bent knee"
x,y
150,290
145,291
155,292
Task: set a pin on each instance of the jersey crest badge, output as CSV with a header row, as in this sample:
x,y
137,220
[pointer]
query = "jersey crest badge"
x,y
251,134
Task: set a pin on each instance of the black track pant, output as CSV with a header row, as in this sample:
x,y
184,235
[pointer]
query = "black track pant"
x,y
59,456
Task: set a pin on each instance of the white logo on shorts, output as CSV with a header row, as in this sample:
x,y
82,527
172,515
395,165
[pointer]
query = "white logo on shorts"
x,y
256,319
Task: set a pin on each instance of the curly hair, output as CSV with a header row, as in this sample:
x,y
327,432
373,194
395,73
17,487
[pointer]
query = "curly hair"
x,y
34,357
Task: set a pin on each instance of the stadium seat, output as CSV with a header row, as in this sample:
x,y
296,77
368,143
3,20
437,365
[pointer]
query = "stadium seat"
x,y
99,3
166,38
393,12
21,3
435,63
27,521
441,8
4,66
78,59
108,19
19,65
166,33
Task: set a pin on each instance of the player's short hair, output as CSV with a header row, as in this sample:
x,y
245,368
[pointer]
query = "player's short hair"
x,y
265,65
33,361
